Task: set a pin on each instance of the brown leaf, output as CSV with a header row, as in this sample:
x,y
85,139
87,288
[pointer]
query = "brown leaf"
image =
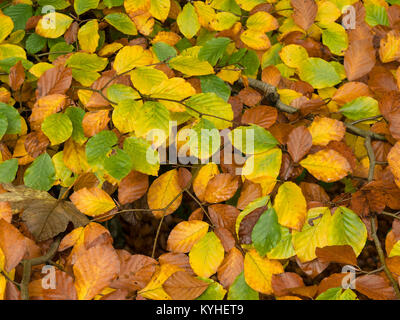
x,y
36,143
226,237
339,254
271,75
304,13
17,76
312,268
350,91
12,244
221,188
247,225
94,122
71,35
136,271
230,268
250,192
180,260
182,286
224,216
86,180
299,143
359,59
54,81
250,97
332,281
262,116
95,270
282,283
64,288
133,187
375,287
314,192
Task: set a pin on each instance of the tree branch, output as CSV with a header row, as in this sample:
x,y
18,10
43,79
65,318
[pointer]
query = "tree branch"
x,y
382,258
28,264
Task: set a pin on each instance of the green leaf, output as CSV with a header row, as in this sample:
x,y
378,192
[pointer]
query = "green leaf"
x,y
8,170
118,165
87,62
361,108
57,127
376,15
57,4
212,83
81,6
119,92
35,43
204,139
346,228
144,158
20,13
99,146
41,174
319,73
121,22
335,38
13,118
213,50
63,173
250,63
113,3
152,116
214,291
76,115
252,139
337,294
8,63
271,56
60,47
266,233
210,104
188,21
284,249
240,290
3,124
164,51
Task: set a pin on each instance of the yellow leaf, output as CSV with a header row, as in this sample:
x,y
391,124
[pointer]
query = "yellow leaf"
x,y
38,69
154,289
223,21
110,49
168,37
262,21
327,13
92,202
290,206
185,235
172,89
263,165
6,26
191,66
53,25
327,165
258,271
389,49
324,130
293,55
145,78
200,182
394,162
314,234
159,9
165,192
188,22
123,115
229,74
89,37
256,40
205,13
75,157
131,57
206,255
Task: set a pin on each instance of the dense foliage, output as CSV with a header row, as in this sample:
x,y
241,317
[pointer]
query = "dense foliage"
x,y
306,91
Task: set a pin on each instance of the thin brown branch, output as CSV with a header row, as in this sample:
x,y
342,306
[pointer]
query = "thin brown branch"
x,y
28,264
382,258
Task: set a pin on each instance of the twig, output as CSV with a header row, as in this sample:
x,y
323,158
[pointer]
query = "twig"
x,y
371,156
393,215
201,206
382,258
366,119
28,264
364,133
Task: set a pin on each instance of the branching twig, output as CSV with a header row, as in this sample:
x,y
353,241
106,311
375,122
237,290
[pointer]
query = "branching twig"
x,y
371,156
393,215
382,258
28,264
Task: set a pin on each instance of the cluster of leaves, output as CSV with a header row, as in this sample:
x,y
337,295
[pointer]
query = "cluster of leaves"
x,y
82,88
